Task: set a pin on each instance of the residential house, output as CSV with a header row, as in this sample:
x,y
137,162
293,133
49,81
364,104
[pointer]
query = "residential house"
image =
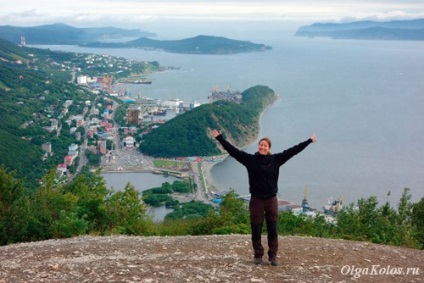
x,y
73,149
61,169
69,159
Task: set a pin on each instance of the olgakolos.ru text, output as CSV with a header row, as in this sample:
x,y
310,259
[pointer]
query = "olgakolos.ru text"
x,y
377,269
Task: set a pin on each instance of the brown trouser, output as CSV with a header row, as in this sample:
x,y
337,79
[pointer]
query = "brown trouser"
x,y
260,209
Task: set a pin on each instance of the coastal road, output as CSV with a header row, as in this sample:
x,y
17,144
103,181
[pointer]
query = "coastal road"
x,y
202,192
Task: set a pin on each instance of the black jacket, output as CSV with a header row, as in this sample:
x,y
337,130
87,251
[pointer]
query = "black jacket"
x,y
263,170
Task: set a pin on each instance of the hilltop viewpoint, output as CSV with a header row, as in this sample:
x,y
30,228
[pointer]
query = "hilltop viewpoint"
x,y
216,258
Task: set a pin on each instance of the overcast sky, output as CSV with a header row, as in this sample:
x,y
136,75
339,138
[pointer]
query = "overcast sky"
x,y
139,13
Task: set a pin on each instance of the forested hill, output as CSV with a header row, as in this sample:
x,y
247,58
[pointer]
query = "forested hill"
x,y
11,52
32,90
392,30
201,44
101,38
188,134
65,34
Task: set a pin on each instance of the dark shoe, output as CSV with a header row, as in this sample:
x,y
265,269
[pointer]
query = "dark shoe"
x,y
273,262
259,261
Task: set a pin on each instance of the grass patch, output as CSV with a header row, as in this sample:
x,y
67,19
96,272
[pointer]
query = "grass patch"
x,y
163,163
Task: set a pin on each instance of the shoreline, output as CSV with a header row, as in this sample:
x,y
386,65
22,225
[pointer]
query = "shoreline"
x,y
207,173
207,166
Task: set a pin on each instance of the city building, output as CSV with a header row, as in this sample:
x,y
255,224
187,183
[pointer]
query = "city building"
x,y
73,149
102,145
173,103
61,169
129,141
82,80
69,159
134,115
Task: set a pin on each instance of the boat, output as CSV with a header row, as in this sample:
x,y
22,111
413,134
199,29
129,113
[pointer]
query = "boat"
x,y
147,82
137,81
333,206
161,112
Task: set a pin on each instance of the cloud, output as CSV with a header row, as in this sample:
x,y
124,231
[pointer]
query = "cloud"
x,y
132,12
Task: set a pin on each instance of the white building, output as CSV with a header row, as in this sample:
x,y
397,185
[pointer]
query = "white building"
x,y
82,80
73,149
129,141
191,105
173,103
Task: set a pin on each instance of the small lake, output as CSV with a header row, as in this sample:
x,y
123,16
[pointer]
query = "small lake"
x,y
142,182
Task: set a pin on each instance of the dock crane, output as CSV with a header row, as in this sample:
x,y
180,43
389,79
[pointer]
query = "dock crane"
x,y
305,205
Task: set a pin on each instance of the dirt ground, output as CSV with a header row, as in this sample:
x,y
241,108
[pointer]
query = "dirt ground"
x,y
205,259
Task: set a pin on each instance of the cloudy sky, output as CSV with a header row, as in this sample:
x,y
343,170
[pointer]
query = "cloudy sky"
x,y
131,13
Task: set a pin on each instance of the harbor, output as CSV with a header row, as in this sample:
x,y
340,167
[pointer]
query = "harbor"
x,y
130,166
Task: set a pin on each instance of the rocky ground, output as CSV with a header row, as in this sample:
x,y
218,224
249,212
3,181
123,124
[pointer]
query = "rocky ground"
x,y
205,259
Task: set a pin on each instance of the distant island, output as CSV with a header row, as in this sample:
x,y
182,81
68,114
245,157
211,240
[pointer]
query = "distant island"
x,y
111,37
392,30
201,44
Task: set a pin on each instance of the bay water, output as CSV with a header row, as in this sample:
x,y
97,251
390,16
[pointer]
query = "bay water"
x,y
141,182
363,99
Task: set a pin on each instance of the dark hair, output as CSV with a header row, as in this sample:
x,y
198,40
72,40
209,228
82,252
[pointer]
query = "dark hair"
x,y
267,140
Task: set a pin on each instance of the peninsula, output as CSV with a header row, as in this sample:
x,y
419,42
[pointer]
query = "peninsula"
x,y
188,134
201,44
111,37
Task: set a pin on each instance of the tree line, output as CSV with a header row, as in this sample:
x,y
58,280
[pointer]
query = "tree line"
x,y
86,206
163,195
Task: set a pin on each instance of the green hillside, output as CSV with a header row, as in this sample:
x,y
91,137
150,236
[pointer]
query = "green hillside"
x,y
201,44
188,134
9,51
31,91
100,38
65,34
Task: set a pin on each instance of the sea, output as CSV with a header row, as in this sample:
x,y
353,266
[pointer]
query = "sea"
x,y
364,100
